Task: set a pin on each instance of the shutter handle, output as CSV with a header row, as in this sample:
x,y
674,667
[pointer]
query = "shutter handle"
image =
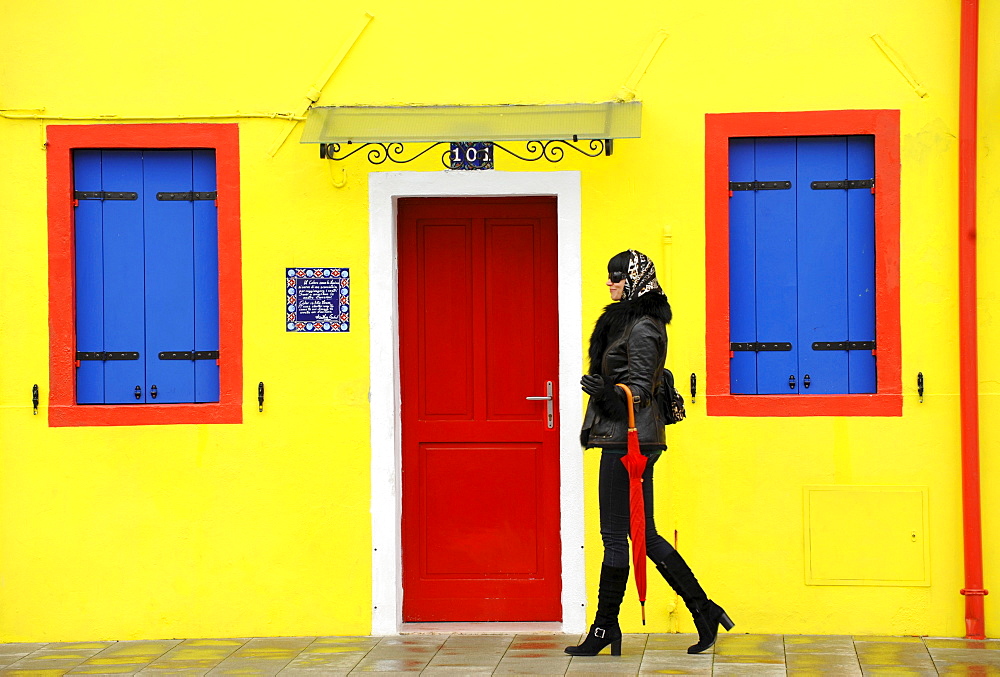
x,y
152,391
791,381
694,386
805,380
34,399
138,392
920,385
260,396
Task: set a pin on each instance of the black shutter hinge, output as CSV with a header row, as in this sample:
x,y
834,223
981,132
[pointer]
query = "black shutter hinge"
x,y
104,195
757,347
189,196
105,356
189,355
842,185
844,345
760,185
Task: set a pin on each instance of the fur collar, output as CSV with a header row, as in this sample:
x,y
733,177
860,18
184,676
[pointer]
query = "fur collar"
x,y
617,316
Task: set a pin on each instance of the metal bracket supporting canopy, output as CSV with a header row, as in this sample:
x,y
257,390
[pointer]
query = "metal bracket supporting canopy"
x,y
552,151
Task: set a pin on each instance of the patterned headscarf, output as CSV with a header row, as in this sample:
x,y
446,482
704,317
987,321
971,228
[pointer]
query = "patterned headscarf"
x,y
640,278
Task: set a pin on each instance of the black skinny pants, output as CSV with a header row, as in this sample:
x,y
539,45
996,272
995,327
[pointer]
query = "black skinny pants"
x,y
612,487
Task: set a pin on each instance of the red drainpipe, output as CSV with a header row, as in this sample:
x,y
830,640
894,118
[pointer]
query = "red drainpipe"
x,y
975,626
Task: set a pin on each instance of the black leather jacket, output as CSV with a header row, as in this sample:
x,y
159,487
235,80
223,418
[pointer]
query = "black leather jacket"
x,y
629,345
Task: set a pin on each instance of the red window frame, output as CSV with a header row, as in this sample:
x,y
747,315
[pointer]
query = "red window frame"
x,y
719,128
62,141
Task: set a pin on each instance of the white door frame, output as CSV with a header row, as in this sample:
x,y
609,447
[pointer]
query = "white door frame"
x,y
384,188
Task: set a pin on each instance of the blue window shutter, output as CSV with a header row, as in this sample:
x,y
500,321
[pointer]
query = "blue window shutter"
x,y
169,265
89,244
123,277
822,263
861,263
742,275
206,278
776,288
802,264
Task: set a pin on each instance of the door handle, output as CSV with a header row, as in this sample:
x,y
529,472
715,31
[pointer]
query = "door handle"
x,y
548,407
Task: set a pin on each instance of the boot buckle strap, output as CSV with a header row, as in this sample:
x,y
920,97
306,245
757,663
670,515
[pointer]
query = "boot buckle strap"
x,y
599,633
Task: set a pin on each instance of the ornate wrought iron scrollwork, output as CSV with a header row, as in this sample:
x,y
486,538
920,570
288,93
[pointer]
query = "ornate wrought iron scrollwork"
x,y
395,151
378,153
554,151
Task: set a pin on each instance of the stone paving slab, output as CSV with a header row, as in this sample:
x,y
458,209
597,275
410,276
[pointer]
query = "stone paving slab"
x,y
507,654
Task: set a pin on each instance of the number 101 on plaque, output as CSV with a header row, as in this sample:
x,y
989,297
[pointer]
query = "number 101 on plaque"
x,y
471,155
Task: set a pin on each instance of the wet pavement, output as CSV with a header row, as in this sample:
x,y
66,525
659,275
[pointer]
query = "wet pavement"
x,y
508,654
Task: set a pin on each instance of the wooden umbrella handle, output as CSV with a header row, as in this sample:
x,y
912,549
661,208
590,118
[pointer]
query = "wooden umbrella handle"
x,y
631,409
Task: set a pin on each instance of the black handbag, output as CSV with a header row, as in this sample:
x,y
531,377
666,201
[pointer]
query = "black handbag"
x,y
670,401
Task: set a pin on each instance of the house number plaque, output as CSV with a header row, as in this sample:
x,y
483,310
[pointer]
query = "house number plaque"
x,y
471,155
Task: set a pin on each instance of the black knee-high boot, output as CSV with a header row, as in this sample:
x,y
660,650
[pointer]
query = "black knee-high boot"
x,y
707,614
605,629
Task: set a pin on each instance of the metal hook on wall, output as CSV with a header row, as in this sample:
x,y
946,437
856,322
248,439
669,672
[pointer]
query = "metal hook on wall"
x,y
260,396
34,399
694,386
920,385
338,181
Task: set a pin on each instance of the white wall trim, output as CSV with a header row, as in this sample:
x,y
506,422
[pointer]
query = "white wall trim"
x,y
383,190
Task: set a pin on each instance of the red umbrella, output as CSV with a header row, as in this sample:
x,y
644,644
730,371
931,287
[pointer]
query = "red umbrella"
x,y
635,463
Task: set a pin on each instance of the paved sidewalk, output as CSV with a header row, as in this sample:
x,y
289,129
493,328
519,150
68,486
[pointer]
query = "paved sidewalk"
x,y
523,654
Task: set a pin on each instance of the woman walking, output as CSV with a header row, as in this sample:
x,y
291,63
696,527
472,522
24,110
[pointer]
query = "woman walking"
x,y
629,345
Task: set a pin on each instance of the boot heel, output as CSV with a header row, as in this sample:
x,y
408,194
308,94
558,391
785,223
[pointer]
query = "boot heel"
x,y
726,622
616,648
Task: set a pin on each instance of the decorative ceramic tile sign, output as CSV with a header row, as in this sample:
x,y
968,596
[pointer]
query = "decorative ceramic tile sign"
x,y
471,155
317,300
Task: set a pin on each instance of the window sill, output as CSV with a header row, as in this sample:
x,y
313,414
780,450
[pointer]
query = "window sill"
x,y
805,405
143,414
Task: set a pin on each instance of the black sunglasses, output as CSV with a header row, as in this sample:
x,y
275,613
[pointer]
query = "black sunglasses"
x,y
616,276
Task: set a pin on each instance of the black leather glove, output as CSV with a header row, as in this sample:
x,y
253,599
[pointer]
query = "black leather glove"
x,y
593,385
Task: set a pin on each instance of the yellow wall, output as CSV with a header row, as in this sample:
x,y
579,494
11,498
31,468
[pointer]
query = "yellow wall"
x,y
264,528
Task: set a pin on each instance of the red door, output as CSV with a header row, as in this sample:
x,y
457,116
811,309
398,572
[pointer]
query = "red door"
x,y
479,334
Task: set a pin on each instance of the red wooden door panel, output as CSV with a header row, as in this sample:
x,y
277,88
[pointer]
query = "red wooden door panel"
x,y
479,334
